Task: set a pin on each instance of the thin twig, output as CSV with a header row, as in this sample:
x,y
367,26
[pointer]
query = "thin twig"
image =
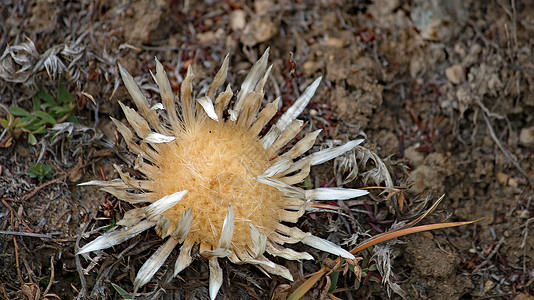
x,y
490,256
83,292
34,191
37,235
17,261
51,276
504,150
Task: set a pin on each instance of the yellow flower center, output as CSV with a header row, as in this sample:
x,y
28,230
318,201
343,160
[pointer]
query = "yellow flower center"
x,y
217,163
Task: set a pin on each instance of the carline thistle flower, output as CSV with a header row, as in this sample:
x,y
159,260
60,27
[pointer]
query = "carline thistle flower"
x,y
213,182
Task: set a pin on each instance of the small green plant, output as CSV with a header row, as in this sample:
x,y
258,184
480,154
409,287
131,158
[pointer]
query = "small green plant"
x,y
47,112
124,294
39,171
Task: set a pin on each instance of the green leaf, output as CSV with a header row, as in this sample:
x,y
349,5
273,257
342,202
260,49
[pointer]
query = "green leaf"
x,y
42,94
32,140
63,95
4,123
372,267
45,117
124,294
333,281
40,171
36,103
39,130
73,119
17,111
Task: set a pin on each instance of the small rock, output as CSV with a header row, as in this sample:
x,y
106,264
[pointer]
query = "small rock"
x,y
426,179
524,214
258,31
334,42
237,20
506,180
310,67
209,36
526,137
455,74
413,155
438,20
262,6
488,285
502,178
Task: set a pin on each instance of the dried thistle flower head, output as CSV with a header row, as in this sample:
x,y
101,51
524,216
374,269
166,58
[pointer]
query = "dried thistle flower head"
x,y
213,181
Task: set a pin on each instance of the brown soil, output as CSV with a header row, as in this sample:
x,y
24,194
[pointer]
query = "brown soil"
x,y
442,90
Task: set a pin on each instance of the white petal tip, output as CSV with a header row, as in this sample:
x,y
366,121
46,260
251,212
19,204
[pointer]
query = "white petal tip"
x,y
216,278
158,138
327,246
163,204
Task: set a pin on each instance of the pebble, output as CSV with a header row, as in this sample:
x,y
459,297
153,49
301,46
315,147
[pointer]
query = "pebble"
x,y
237,20
526,137
258,31
455,74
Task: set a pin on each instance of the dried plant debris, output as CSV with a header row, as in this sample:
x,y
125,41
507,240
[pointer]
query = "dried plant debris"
x,y
22,62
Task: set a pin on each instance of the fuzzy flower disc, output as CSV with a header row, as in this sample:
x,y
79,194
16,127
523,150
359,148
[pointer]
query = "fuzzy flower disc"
x,y
226,162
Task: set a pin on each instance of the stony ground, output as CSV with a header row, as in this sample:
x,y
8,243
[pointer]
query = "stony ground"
x,y
442,91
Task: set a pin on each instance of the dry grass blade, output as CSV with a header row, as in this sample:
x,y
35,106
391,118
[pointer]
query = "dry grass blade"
x,y
308,284
405,231
401,231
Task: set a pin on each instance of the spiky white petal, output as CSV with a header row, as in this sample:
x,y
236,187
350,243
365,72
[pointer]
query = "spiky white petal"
x,y
326,246
152,265
115,183
279,270
167,96
334,194
157,106
303,145
227,229
289,190
139,124
127,196
288,134
184,225
244,257
258,239
163,204
219,79
162,227
271,136
184,258
233,115
287,253
254,75
132,217
264,116
116,237
138,98
132,87
158,138
216,278
294,111
277,167
219,253
208,107
322,156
